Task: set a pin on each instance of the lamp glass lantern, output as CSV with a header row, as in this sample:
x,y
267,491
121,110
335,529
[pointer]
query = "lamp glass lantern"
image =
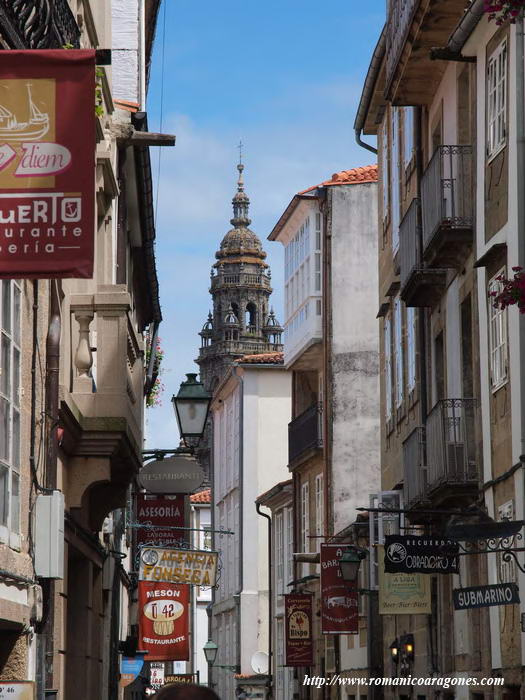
x,y
210,651
394,651
191,406
349,564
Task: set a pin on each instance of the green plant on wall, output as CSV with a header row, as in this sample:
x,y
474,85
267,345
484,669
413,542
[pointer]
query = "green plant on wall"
x,y
99,99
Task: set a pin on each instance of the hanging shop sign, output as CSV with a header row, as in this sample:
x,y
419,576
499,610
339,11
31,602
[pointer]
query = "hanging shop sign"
x,y
178,474
181,679
486,596
164,612
339,599
402,594
130,667
424,555
17,690
156,675
197,567
47,163
156,515
299,645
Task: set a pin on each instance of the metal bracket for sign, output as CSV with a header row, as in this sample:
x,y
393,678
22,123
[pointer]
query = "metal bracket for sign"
x,y
149,526
160,454
495,545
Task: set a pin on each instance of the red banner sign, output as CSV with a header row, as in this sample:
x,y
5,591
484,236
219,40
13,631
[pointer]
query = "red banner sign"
x,y
161,512
298,632
164,612
47,163
339,600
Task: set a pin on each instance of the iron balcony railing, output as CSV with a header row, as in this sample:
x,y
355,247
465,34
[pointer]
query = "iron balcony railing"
x,y
400,15
414,467
446,192
305,432
409,243
38,24
450,443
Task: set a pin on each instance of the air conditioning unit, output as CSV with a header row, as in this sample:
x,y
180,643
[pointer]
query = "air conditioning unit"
x,y
49,535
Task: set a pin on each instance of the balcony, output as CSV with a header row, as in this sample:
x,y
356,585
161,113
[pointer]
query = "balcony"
x,y
452,469
240,279
101,410
46,24
305,433
420,285
414,469
413,28
447,200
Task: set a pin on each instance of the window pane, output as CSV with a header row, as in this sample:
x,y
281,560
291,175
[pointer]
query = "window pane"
x,y
16,377
5,366
15,503
6,305
4,425
4,494
16,315
16,441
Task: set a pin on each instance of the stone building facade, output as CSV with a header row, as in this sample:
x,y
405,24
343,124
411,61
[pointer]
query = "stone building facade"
x,y
73,384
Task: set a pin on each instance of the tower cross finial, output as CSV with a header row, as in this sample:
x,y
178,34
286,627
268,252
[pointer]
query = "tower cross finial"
x,y
240,151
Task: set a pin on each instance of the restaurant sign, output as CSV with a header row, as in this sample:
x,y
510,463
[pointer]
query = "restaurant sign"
x,y
17,690
486,596
164,621
402,594
411,554
197,567
298,629
47,163
177,474
339,599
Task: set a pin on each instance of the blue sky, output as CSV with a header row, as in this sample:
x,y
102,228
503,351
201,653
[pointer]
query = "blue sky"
x,y
285,77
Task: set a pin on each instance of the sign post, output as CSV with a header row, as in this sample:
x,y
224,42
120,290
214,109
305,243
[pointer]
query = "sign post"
x,y
47,164
339,599
298,629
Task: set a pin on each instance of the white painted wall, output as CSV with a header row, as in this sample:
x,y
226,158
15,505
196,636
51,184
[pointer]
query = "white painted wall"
x,y
355,349
126,66
251,418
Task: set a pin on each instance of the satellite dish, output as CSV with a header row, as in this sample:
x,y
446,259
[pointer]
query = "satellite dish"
x,y
259,662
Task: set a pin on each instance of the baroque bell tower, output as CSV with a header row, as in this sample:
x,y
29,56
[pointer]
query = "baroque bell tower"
x,y
242,323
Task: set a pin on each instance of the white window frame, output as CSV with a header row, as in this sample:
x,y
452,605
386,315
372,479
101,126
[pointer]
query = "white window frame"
x,y
408,135
319,511
387,332
305,516
10,460
398,352
411,348
279,552
496,84
385,176
498,337
395,198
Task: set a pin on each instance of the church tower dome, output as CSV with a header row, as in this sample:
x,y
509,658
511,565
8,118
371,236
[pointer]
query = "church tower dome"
x,y
240,285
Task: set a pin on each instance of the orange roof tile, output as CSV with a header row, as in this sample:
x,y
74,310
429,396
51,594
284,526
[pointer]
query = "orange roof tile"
x,y
201,497
355,176
263,358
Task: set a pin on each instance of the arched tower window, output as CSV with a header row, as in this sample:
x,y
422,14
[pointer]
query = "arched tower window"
x,y
251,317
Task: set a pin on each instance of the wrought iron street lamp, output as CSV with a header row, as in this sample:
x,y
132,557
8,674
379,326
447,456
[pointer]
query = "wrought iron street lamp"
x,y
191,406
350,562
394,651
210,651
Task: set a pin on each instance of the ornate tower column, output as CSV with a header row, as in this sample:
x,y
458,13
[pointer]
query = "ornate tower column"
x,y
240,285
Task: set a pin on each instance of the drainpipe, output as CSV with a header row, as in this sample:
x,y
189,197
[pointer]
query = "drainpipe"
x,y
237,596
423,399
51,422
368,89
520,150
270,598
